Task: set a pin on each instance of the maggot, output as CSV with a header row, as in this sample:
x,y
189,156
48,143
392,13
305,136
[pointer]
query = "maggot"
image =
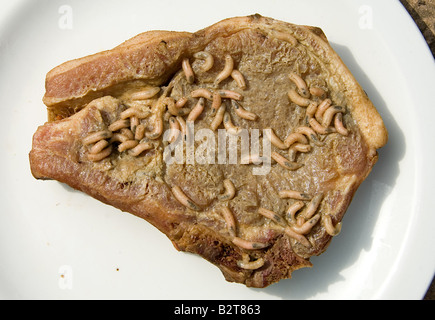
x,y
300,84
243,113
226,72
208,60
230,190
187,68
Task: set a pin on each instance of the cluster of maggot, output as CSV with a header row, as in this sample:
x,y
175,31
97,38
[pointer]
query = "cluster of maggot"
x,y
298,220
321,119
128,133
302,215
135,138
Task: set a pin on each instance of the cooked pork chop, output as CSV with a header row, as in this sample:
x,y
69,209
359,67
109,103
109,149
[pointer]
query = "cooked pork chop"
x,y
243,142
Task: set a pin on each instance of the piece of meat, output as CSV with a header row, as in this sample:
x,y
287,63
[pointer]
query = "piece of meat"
x,y
256,193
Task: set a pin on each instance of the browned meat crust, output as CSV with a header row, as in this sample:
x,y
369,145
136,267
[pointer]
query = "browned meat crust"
x,y
254,242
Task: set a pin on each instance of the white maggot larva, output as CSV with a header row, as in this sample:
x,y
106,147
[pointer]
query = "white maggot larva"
x,y
226,72
208,60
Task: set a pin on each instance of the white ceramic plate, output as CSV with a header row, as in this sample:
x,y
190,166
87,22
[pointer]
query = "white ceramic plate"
x,y
57,243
